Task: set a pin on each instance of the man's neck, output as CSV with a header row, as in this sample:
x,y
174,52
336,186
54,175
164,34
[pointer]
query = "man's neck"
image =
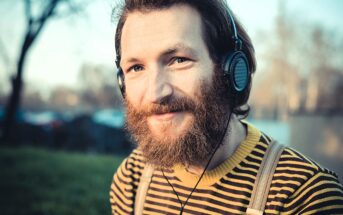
x,y
235,134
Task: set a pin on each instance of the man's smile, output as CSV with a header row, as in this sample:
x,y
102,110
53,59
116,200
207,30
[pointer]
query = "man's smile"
x,y
166,116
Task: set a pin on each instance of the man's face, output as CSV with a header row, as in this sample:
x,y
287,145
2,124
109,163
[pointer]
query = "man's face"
x,y
168,77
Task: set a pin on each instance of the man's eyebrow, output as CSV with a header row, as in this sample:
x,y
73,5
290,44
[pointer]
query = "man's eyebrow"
x,y
179,47
131,60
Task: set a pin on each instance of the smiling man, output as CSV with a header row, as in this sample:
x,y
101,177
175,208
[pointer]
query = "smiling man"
x,y
185,70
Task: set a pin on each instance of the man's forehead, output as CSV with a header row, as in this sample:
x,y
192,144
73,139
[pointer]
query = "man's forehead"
x,y
177,28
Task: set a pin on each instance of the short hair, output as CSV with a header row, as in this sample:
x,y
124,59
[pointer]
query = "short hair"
x,y
217,33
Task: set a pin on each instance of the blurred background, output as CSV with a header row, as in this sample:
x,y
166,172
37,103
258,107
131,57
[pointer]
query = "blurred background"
x,y
61,117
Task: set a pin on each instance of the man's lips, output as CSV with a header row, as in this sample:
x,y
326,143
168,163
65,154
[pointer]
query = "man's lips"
x,y
164,116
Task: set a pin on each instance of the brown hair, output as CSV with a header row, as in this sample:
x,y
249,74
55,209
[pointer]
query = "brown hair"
x,y
217,33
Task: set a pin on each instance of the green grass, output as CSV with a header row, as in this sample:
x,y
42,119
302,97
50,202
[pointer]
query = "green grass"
x,y
40,182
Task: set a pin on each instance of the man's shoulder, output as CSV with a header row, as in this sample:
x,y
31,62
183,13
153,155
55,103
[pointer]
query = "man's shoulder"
x,y
295,169
293,161
302,185
136,156
297,174
124,183
135,161
130,170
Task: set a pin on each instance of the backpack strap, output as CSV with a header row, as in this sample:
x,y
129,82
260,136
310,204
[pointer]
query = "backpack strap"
x,y
264,179
142,189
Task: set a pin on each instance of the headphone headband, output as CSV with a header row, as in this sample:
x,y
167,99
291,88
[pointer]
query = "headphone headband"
x,y
235,35
237,42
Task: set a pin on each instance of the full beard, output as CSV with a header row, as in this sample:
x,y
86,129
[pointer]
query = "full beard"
x,y
194,145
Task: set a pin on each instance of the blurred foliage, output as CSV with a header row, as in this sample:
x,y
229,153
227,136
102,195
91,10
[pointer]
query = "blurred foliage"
x,y
302,70
36,181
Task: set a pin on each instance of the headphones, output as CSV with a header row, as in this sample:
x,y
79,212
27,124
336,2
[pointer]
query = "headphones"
x,y
234,65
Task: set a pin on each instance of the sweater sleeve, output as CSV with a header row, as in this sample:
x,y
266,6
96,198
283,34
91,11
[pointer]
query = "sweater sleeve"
x,y
321,194
124,185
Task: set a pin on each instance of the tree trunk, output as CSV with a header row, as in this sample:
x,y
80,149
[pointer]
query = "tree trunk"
x,y
14,99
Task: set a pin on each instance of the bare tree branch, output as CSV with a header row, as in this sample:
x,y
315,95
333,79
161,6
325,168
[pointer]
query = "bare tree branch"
x,y
28,12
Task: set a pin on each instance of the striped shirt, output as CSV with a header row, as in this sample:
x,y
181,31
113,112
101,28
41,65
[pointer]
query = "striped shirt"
x,y
299,185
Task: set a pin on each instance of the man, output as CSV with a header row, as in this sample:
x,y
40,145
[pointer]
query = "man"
x,y
185,75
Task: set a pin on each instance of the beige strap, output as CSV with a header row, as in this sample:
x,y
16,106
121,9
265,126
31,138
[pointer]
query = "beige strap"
x,y
264,179
142,189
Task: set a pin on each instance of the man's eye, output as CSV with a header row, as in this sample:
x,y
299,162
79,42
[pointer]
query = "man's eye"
x,y
179,60
135,68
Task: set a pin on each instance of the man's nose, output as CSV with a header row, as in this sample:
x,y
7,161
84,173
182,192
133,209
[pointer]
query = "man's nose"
x,y
159,86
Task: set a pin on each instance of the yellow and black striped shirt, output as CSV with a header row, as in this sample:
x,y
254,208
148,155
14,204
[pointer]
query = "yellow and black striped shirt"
x,y
299,185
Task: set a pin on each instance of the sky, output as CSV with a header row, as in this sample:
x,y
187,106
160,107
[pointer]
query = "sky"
x,y
67,43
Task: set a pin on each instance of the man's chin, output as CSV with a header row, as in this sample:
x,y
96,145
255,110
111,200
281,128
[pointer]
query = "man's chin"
x,y
166,134
161,149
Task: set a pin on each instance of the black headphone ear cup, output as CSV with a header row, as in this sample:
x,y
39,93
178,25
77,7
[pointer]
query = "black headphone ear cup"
x,y
236,68
121,81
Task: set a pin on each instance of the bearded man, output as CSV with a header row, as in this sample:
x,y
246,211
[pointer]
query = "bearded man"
x,y
185,70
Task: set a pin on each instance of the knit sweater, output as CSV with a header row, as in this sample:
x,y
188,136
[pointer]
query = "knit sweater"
x,y
299,185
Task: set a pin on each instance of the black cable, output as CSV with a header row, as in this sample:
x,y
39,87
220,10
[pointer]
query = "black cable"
x,y
202,174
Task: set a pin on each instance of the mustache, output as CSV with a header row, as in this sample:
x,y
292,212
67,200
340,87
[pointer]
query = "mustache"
x,y
167,106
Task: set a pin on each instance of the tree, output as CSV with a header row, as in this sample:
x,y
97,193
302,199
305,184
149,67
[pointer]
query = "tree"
x,y
35,22
303,69
277,93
